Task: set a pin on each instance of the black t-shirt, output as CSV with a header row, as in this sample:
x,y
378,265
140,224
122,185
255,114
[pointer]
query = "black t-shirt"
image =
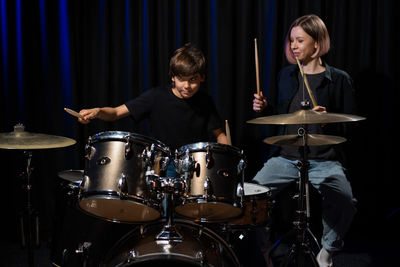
x,y
175,121
315,152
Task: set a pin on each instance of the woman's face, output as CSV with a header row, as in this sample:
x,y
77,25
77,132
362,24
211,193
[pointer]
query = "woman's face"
x,y
303,46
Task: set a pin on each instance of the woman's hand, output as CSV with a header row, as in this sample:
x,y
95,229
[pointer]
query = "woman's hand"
x,y
259,102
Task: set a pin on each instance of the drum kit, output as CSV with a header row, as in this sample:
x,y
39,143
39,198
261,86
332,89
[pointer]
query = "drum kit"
x,y
124,181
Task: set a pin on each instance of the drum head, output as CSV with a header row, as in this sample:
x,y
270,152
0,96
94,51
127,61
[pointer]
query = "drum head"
x,y
209,211
117,210
251,189
136,138
203,146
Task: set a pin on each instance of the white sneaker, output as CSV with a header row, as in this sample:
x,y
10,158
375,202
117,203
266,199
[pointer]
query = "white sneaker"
x,y
324,258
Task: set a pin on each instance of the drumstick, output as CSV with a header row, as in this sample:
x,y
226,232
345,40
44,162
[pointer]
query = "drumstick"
x,y
257,68
73,113
306,82
228,133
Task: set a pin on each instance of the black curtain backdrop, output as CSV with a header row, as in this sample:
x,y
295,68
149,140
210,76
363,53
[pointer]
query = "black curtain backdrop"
x,y
82,54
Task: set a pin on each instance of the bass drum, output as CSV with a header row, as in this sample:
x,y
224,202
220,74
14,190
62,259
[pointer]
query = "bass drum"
x,y
198,246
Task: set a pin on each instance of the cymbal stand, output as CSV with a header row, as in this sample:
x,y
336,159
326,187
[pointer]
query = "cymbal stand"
x,y
30,213
303,235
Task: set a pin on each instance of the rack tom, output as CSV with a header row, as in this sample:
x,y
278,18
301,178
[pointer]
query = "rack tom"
x,y
114,186
212,173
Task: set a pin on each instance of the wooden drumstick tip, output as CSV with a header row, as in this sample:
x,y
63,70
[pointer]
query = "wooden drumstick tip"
x,y
228,133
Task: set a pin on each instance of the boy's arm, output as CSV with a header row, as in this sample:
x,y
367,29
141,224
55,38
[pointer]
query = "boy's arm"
x,y
104,113
221,137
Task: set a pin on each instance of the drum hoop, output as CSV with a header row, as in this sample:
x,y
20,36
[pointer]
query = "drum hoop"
x,y
202,147
121,136
205,230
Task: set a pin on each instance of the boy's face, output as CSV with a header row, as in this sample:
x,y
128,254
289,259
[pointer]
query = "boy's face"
x,y
187,86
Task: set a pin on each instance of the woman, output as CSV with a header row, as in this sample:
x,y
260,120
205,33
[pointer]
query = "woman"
x,y
308,40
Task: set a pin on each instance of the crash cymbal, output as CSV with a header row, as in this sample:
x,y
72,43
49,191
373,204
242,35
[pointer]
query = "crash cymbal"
x,y
297,140
74,176
306,116
20,139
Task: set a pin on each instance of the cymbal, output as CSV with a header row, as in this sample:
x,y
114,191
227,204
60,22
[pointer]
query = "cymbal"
x,y
297,140
74,176
306,116
20,139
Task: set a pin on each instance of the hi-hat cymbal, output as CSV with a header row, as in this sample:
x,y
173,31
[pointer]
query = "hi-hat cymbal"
x,y
297,140
20,139
306,116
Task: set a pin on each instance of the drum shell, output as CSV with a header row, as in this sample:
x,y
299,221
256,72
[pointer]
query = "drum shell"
x,y
199,247
115,170
257,207
217,166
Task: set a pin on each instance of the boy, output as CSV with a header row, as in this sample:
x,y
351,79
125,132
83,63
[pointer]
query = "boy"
x,y
180,113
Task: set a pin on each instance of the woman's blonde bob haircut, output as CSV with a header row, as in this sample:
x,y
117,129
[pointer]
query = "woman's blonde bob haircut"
x,y
313,26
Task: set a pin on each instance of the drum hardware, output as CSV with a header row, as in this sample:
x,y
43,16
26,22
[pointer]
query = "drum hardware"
x,y
122,186
128,147
240,170
89,150
79,255
168,187
148,157
19,139
83,252
29,217
303,236
115,186
208,158
211,172
169,232
186,165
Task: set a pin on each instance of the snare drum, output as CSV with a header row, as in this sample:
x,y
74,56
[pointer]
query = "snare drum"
x,y
212,174
114,185
257,199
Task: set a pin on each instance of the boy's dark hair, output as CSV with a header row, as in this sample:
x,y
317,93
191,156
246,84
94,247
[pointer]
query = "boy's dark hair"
x,y
186,61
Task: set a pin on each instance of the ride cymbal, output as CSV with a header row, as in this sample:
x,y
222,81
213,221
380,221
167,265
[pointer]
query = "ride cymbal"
x,y
20,139
297,140
306,116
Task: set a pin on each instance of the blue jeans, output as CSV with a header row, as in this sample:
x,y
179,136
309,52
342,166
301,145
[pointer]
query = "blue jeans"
x,y
170,172
338,205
